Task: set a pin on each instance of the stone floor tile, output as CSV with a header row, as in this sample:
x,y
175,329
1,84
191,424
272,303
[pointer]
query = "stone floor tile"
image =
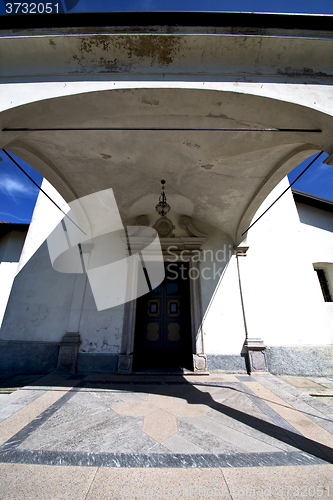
x,y
107,398
283,483
134,408
327,401
234,437
100,432
164,484
24,396
300,382
160,425
10,410
242,402
325,381
20,419
296,397
179,444
260,428
130,396
206,440
4,400
44,482
183,409
161,400
298,420
214,377
205,392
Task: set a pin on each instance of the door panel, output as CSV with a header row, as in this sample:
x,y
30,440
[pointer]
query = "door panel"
x,y
163,328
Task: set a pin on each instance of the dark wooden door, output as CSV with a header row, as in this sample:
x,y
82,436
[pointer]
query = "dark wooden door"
x,y
163,326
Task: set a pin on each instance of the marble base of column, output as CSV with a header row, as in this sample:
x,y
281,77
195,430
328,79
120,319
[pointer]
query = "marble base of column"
x,y
69,347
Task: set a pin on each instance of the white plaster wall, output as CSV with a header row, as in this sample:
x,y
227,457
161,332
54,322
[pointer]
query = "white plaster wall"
x,y
7,275
11,245
38,306
10,251
317,234
100,331
283,302
38,298
45,218
223,325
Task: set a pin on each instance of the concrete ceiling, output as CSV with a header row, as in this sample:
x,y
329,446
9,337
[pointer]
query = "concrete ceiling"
x,y
217,177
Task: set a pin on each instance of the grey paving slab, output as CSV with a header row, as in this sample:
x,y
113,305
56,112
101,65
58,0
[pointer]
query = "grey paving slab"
x,y
105,398
103,431
244,401
301,382
86,423
182,460
311,407
245,378
205,439
10,410
239,460
154,460
327,401
291,394
269,412
217,393
276,437
179,444
84,459
234,437
22,396
324,381
35,423
3,399
127,396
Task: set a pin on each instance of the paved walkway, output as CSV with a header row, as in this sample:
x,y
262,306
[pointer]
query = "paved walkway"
x,y
208,436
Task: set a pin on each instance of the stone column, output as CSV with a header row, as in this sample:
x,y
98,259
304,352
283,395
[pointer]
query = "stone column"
x,y
199,358
254,346
125,360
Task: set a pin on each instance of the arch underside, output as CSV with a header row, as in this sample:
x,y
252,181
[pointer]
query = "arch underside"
x,y
219,177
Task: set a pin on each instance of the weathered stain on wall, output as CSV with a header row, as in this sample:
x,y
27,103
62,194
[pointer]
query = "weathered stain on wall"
x,y
100,50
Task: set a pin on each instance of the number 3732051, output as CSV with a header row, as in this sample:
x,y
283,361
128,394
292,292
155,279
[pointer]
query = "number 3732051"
x,y
32,8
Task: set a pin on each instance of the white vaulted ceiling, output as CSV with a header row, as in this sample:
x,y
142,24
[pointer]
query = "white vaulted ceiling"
x,y
216,176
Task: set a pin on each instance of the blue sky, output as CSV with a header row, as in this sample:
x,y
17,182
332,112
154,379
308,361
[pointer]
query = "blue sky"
x,y
318,180
18,195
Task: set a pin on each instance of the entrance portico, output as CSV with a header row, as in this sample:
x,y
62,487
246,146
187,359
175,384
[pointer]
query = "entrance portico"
x,y
222,113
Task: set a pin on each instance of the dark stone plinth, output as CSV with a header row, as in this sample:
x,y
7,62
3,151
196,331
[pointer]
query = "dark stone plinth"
x,y
257,355
199,362
68,352
125,363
